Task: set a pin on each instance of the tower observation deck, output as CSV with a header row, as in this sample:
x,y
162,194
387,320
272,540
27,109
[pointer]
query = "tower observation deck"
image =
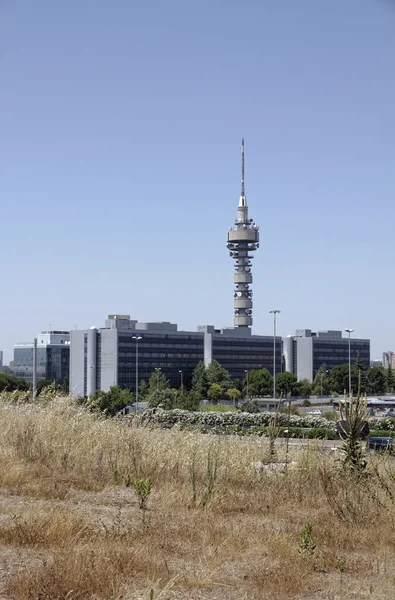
x,y
242,240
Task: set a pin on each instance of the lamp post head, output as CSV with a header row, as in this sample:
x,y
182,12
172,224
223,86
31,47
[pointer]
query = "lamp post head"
x,y
275,311
349,330
137,337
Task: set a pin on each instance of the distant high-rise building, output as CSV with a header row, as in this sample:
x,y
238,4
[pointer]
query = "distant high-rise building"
x,y
53,357
389,359
376,363
306,351
1,360
242,240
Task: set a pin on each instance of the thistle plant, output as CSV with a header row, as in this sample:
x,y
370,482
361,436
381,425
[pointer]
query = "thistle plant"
x,y
353,420
142,487
307,544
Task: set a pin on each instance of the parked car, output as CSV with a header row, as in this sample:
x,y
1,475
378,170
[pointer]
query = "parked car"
x,y
382,444
314,412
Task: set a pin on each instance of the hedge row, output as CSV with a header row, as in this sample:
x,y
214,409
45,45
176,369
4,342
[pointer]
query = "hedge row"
x,y
169,418
384,424
284,432
381,433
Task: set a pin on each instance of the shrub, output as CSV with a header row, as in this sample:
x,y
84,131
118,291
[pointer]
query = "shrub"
x,y
321,433
330,415
381,433
250,406
385,424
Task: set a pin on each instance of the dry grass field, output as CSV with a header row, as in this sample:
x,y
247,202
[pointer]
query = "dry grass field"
x,y
215,527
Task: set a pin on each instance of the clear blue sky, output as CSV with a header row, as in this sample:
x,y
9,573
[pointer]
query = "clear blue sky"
x,y
120,127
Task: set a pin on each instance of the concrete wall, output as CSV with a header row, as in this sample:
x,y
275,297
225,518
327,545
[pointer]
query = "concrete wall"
x,y
304,357
108,358
77,363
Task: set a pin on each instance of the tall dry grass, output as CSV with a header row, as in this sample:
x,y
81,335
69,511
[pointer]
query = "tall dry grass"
x,y
219,524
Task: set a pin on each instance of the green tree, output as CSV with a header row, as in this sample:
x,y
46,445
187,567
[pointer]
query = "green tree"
x,y
236,384
215,373
360,368
390,379
188,401
157,381
233,394
143,390
302,388
163,398
199,380
359,364
322,381
10,383
284,383
340,379
110,402
260,383
214,392
376,380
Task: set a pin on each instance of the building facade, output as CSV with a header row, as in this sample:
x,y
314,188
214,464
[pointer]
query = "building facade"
x,y
107,356
389,359
1,360
53,357
306,351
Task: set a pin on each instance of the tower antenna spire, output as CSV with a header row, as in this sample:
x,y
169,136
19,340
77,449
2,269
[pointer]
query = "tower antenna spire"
x,y
242,241
242,168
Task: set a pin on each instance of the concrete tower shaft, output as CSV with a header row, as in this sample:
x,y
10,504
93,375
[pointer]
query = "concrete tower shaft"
x,y
242,240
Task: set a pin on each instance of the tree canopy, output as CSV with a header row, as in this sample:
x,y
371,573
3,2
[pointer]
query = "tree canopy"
x,y
376,381
214,392
203,377
10,383
215,373
110,402
199,379
284,383
260,383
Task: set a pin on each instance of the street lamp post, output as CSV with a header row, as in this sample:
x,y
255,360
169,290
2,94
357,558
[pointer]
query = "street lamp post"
x,y
274,313
182,384
137,338
349,331
246,372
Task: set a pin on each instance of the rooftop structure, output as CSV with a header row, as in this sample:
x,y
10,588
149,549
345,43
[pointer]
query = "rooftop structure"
x,y
242,240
